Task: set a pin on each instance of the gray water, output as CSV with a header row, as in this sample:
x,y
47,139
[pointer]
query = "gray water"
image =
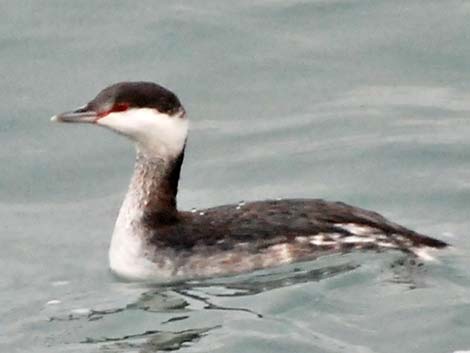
x,y
361,101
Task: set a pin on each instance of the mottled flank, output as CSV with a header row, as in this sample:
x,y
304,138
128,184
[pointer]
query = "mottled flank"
x,y
234,239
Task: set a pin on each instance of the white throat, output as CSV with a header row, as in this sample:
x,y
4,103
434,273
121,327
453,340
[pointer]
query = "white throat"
x,y
155,134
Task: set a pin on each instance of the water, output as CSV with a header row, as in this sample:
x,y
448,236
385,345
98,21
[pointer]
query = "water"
x,y
361,101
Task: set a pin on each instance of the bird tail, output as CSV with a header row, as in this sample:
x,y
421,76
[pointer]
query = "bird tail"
x,y
423,246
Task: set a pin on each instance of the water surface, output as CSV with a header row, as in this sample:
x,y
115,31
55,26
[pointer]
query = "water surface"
x,y
361,101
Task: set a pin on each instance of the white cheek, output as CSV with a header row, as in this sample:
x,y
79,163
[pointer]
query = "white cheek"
x,y
154,133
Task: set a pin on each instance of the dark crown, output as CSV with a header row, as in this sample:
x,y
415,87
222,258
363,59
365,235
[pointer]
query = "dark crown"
x,y
137,95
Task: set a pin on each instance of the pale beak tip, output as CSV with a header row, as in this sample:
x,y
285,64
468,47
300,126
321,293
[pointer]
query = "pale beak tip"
x,y
55,118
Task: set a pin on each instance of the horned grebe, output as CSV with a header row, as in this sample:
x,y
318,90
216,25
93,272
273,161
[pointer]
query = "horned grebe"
x,y
152,240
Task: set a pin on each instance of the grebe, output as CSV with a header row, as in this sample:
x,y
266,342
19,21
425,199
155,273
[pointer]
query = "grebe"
x,y
152,240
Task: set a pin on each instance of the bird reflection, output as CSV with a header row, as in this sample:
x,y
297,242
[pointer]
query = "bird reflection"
x,y
179,299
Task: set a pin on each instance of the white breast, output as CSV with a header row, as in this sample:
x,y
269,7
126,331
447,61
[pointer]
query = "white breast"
x,y
129,252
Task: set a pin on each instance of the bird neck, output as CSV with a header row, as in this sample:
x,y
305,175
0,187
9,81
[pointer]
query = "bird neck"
x,y
153,189
150,203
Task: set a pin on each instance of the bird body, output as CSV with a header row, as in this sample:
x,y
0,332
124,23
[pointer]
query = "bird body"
x,y
153,240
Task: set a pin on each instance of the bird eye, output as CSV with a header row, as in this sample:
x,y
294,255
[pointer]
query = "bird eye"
x,y
116,108
119,107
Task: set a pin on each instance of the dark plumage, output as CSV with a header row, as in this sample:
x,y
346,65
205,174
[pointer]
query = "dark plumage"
x,y
137,95
264,223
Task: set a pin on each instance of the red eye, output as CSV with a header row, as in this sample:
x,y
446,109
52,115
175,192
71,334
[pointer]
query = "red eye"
x,y
118,107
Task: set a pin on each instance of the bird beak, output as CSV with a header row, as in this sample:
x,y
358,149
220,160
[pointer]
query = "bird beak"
x,y
80,115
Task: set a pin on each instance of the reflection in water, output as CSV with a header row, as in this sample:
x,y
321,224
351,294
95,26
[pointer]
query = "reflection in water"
x,y
261,283
176,298
152,301
170,298
158,301
151,341
267,282
407,270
